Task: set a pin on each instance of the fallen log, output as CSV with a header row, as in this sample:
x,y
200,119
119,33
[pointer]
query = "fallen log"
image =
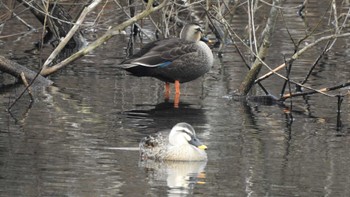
x,y
15,69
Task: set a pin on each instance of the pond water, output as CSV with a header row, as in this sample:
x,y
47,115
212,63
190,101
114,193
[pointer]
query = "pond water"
x,y
80,136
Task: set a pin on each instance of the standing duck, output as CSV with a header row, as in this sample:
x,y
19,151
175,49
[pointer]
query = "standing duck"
x,y
173,60
182,144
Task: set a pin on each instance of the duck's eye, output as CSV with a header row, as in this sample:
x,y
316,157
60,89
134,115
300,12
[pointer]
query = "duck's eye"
x,y
199,29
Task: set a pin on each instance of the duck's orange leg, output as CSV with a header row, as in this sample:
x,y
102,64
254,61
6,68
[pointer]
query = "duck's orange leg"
x,y
177,87
177,94
167,91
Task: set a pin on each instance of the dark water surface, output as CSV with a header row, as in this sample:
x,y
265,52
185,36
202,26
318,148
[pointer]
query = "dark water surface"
x,y
79,136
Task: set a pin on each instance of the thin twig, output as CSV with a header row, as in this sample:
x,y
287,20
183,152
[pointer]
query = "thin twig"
x,y
29,89
288,70
299,53
322,90
128,15
24,80
324,51
248,81
19,18
230,33
70,34
109,34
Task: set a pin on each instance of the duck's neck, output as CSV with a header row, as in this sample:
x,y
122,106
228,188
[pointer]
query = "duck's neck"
x,y
190,37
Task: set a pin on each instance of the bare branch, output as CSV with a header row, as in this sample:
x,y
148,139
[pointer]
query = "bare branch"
x,y
300,52
16,69
70,34
322,90
109,34
29,89
248,81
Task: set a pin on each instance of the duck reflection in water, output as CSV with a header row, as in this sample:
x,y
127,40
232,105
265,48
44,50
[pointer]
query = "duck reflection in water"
x,y
163,114
180,176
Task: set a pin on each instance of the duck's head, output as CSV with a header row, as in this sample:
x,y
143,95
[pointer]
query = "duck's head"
x,y
183,133
191,32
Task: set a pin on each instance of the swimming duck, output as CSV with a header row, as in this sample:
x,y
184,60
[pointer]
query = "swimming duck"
x,y
173,60
181,145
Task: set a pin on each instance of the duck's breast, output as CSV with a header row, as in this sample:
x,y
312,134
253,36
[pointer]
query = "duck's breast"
x,y
205,54
188,66
185,153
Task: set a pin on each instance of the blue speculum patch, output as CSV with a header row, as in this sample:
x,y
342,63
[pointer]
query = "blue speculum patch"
x,y
165,64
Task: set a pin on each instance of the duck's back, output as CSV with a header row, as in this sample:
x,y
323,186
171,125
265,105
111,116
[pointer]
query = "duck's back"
x,y
171,59
153,146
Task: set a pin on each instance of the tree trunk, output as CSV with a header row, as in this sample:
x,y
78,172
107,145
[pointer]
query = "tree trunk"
x,y
253,73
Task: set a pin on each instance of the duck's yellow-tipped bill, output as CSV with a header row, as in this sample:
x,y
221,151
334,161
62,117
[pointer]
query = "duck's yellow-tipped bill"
x,y
203,147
